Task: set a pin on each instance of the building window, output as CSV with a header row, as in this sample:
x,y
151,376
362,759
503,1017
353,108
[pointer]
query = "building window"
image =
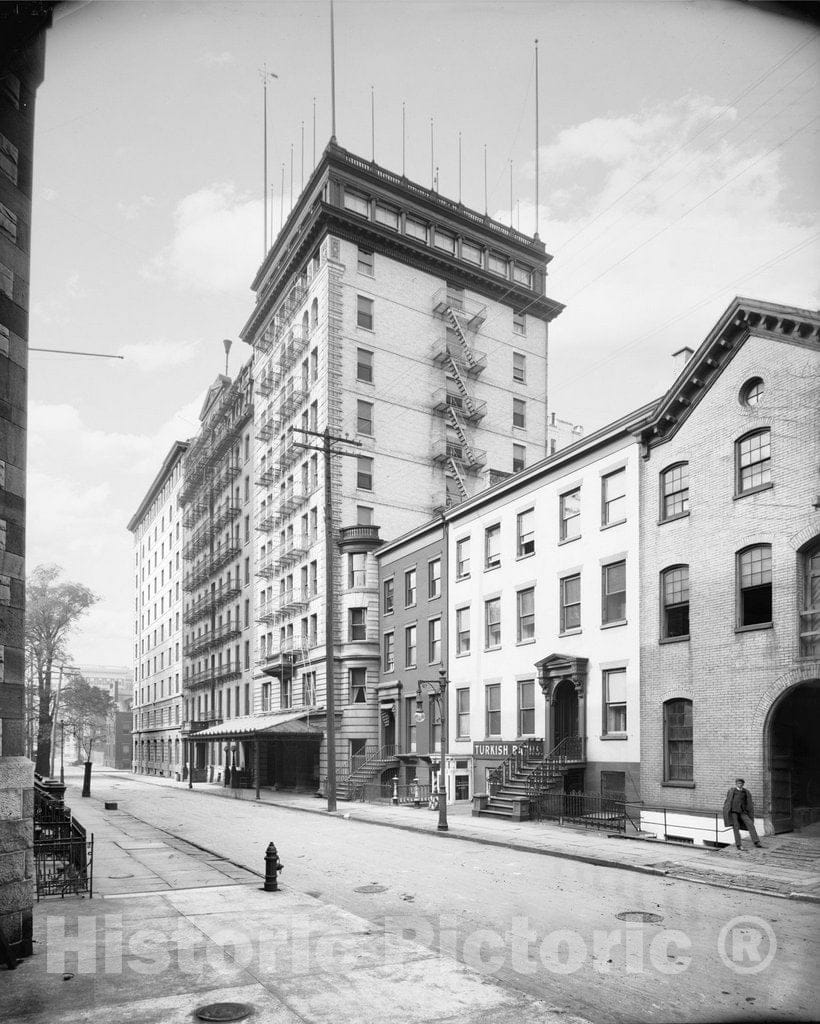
x,y
364,417
492,546
6,281
410,723
519,413
357,678
570,514
388,216
8,159
613,498
410,647
365,262
525,604
523,275
415,228
388,590
364,365
409,588
677,741
754,569
526,707
434,641
463,631
570,603
810,615
356,569
614,700
492,623
675,602
613,585
497,264
519,458
444,240
471,252
462,558
675,491
357,622
364,312
753,462
434,578
526,532
364,515
519,371
752,392
492,704
389,652
364,473
357,203
463,714
519,323
8,222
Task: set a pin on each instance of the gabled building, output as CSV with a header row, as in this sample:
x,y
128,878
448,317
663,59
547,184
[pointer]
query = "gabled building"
x,y
730,578
418,327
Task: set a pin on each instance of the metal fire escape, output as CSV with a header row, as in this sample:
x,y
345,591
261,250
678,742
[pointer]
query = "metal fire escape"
x,y
462,362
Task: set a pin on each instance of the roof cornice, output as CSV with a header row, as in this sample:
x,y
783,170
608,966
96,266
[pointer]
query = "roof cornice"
x,y
178,449
743,317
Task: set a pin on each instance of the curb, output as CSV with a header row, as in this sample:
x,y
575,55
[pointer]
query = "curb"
x,y
581,858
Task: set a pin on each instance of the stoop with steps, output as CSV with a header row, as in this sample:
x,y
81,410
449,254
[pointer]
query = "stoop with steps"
x,y
526,773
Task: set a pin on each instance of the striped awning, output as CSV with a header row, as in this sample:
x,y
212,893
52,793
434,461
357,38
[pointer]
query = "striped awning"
x,y
303,723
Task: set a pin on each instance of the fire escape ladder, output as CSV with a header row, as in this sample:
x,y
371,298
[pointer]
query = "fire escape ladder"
x,y
454,371
455,422
462,337
455,469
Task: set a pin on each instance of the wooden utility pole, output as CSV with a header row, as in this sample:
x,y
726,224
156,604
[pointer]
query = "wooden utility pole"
x,y
327,450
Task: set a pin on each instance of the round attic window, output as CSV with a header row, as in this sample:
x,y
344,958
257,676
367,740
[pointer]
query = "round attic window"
x,y
752,392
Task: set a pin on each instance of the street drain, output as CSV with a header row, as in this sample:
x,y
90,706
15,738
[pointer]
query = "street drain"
x,y
642,916
223,1011
371,888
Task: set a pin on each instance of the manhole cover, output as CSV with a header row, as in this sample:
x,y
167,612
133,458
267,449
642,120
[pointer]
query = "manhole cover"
x,y
223,1011
371,888
642,916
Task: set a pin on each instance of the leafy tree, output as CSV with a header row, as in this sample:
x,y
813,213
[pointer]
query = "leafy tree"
x,y
53,606
85,710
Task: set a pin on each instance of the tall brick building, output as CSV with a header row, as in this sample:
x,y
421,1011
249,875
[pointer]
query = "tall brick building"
x,y
730,578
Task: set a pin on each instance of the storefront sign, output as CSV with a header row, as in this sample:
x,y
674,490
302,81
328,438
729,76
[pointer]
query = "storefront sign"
x,y
501,749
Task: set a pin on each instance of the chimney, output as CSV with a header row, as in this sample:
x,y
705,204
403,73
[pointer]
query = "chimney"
x,y
681,358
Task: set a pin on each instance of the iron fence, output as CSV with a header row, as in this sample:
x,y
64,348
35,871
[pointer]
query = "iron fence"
x,y
63,853
375,792
592,810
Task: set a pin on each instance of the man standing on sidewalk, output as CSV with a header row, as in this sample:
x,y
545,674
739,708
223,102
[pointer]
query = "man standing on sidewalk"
x,y
739,812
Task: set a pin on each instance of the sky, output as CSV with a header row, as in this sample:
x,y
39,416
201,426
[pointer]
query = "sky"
x,y
679,167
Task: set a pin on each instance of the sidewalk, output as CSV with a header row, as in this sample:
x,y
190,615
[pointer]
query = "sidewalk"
x,y
788,865
172,928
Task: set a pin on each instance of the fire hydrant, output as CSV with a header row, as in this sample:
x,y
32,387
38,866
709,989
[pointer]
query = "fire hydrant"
x,y
272,868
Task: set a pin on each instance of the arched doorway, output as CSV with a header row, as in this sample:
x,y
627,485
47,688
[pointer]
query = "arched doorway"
x,y
565,712
794,757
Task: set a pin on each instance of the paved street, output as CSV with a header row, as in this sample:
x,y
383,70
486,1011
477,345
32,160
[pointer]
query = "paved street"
x,y
541,928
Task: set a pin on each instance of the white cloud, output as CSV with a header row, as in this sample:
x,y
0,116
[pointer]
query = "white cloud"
x,y
687,237
132,210
150,356
216,241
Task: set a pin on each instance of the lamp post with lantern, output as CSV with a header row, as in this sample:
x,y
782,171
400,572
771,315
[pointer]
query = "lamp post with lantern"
x,y
437,689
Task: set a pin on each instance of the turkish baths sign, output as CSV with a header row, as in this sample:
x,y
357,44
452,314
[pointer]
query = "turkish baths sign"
x,y
500,750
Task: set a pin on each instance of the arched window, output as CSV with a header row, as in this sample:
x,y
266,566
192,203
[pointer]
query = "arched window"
x,y
314,313
678,763
675,602
753,461
810,613
305,324
674,494
754,586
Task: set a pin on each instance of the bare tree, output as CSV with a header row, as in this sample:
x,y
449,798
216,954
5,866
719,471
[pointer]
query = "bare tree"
x,y
85,710
53,607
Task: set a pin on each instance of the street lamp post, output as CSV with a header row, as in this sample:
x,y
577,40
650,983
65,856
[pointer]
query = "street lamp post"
x,y
62,747
438,691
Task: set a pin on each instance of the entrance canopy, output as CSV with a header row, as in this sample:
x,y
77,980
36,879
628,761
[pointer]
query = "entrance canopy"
x,y
298,724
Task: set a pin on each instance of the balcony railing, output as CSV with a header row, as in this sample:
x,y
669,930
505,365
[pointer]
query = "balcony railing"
x,y
268,518
212,638
474,313
293,549
268,566
293,345
210,603
279,325
290,400
211,564
471,459
445,349
470,409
